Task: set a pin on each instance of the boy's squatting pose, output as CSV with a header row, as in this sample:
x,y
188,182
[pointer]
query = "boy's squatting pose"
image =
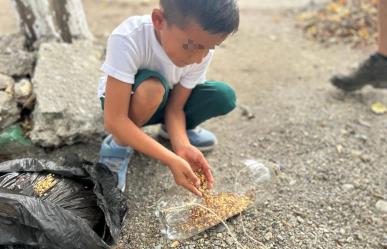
x,y
155,71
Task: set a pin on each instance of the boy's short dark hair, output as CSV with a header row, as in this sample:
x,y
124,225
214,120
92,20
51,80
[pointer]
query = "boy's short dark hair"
x,y
215,16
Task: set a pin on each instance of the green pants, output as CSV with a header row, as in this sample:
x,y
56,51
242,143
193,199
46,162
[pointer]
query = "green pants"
x,y
206,101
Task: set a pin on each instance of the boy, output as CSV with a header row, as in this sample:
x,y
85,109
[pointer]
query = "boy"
x,y
155,70
373,71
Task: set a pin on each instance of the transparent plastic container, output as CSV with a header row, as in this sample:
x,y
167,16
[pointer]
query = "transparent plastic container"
x,y
183,215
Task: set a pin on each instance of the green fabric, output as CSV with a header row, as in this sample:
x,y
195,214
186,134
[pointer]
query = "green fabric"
x,y
140,77
207,100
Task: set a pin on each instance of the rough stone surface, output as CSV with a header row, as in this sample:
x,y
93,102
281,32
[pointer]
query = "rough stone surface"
x,y
15,60
5,81
9,113
65,83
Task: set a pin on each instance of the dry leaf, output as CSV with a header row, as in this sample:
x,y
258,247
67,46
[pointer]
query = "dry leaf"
x,y
378,108
353,22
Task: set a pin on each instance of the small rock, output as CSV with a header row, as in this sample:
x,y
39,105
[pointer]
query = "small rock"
x,y
230,240
300,213
220,228
23,89
364,123
347,187
361,137
359,236
9,113
10,89
356,153
293,221
300,220
5,81
246,111
273,37
381,206
29,103
365,158
175,244
339,148
268,236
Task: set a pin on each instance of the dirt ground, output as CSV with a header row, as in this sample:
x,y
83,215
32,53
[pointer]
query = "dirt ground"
x,y
332,145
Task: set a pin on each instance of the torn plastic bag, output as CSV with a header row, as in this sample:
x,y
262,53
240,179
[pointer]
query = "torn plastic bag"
x,y
45,205
183,215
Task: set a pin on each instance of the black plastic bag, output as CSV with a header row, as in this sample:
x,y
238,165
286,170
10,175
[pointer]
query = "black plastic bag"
x,y
81,208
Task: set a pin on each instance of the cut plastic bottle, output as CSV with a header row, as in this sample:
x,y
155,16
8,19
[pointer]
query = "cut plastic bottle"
x,y
183,215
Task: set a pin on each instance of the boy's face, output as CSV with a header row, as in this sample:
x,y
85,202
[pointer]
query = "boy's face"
x,y
184,46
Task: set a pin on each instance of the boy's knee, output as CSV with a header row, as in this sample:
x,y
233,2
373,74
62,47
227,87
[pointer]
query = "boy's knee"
x,y
225,97
150,92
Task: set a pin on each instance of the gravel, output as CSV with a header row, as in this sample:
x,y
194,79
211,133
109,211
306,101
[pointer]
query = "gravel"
x,y
328,197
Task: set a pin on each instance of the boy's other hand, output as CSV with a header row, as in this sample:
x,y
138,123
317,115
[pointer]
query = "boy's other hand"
x,y
184,176
197,161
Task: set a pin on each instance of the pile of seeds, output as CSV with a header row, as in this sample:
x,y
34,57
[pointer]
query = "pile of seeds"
x,y
42,186
223,206
342,21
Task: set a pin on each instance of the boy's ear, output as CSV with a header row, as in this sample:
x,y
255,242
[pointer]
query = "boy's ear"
x,y
158,19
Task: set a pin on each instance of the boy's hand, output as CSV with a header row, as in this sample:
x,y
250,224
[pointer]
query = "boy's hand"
x,y
184,176
197,161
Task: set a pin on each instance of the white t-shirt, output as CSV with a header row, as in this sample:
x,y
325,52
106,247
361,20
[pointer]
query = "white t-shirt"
x,y
133,46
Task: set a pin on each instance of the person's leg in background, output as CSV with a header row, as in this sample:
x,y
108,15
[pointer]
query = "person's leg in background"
x,y
372,71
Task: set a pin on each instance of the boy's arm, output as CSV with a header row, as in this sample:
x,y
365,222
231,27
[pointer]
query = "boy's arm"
x,y
117,122
176,126
175,117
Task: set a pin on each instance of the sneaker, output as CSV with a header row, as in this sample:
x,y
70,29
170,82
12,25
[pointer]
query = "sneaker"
x,y
201,138
373,71
116,160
